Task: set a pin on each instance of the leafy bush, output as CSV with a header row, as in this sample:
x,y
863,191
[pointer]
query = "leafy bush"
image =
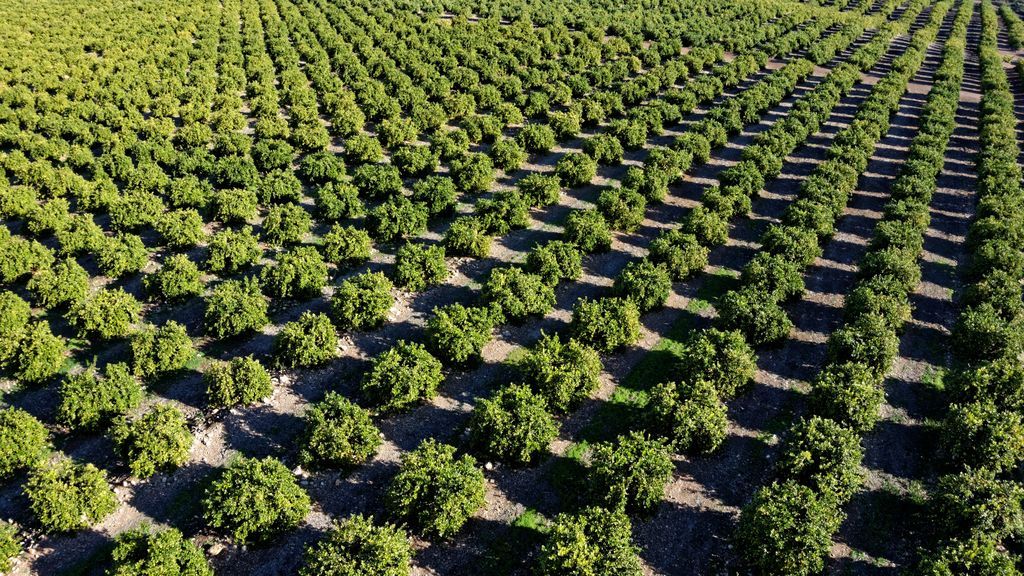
x,y
286,224
458,333
437,193
233,250
539,189
363,301
40,354
867,340
177,279
604,149
401,376
980,434
338,433
337,200
588,230
982,555
473,172
66,496
159,439
848,393
88,401
630,473
824,455
121,255
63,283
181,228
723,358
622,208
645,283
606,323
434,490
146,550
243,381
575,169
347,245
413,160
361,149
235,307
10,545
595,541
755,313
564,373
418,266
515,294
504,211
309,341
512,426
554,261
24,441
377,181
681,254
775,275
691,416
467,236
106,313
322,167
358,547
508,155
254,499
787,529
975,503
236,205
397,218
299,273
159,350
536,137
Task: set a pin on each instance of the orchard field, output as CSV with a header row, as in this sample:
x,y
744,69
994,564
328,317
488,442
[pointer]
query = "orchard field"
x,y
565,288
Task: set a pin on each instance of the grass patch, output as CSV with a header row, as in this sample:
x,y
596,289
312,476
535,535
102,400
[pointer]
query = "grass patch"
x,y
934,378
513,550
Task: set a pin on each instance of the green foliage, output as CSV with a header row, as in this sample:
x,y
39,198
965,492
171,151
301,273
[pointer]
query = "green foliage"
x,y
299,273
984,556
564,373
397,218
622,208
88,401
645,283
539,189
824,455
604,148
596,542
401,376
849,393
508,155
629,473
337,200
505,210
512,426
363,301
181,228
286,224
235,307
681,254
467,236
40,354
255,499
347,245
106,314
606,323
722,358
309,341
177,279
243,381
458,333
67,496
358,547
515,294
435,192
434,490
473,172
146,551
756,314
322,167
975,503
377,181
159,350
24,441
554,261
66,282
691,416
233,250
235,205
981,434
121,255
361,149
158,439
10,545
575,169
338,433
419,266
536,137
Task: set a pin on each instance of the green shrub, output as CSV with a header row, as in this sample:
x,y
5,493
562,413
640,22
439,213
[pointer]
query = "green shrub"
x,y
982,555
190,192
63,283
233,250
472,172
397,218
106,314
243,381
15,315
145,550
867,340
236,205
508,155
515,294
177,279
512,426
756,314
606,323
40,354
337,200
419,266
505,210
792,243
849,393
67,496
554,261
235,307
361,149
437,193
595,541
449,144
87,401
975,503
338,433
158,439
362,302
681,254
347,245
980,334
787,529
458,333
536,137
575,169
121,255
629,473
467,236
401,376
181,228
710,228
24,441
309,341
299,273
160,350
377,181
645,283
691,416
824,455
412,160
358,547
723,358
254,499
322,167
564,373
10,545
539,189
623,209
588,230
980,434
775,275
286,224
604,148
434,490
